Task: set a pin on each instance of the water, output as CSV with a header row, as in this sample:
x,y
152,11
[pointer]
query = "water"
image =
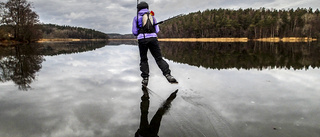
x,y
225,89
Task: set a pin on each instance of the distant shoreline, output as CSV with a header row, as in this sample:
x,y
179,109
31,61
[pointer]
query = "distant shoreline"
x,y
204,39
287,39
275,39
121,39
68,40
13,42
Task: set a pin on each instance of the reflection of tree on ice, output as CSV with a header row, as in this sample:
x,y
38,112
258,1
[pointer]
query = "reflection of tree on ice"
x,y
152,129
22,66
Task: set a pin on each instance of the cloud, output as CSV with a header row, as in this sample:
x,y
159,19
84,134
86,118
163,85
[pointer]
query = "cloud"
x,y
115,16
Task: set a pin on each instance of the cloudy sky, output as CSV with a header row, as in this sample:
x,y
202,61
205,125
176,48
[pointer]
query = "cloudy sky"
x,y
115,16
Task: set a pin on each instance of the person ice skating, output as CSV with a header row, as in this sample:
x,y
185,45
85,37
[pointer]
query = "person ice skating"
x,y
145,27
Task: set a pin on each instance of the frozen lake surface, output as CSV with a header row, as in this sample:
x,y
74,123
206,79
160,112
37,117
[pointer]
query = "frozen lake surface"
x,y
225,90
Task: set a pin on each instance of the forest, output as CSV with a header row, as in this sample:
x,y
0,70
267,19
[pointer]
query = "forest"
x,y
52,31
250,23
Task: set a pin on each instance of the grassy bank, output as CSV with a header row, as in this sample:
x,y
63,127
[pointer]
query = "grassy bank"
x,y
9,42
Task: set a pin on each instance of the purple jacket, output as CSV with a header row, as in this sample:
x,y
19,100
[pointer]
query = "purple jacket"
x,y
135,29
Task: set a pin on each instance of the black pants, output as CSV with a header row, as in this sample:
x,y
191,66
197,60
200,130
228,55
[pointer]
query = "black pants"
x,y
153,45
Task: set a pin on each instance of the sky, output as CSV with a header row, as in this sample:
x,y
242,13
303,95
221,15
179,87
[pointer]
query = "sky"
x,y
115,16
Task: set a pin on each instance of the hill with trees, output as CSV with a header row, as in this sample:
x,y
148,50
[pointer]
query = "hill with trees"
x,y
50,31
250,23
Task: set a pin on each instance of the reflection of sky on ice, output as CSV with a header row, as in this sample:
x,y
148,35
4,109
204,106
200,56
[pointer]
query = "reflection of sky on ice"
x,y
97,93
76,95
256,101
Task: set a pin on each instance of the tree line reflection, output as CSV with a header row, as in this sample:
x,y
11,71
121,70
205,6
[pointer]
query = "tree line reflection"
x,y
52,48
250,55
20,63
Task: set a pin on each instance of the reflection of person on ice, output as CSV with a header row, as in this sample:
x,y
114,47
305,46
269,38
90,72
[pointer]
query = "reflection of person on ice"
x,y
145,28
152,129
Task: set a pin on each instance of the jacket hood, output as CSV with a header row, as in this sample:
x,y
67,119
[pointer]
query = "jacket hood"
x,y
143,11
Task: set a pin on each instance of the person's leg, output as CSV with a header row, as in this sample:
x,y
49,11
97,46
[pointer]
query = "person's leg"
x,y
156,53
144,66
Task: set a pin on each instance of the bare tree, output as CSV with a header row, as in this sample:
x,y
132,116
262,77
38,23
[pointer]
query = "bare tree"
x,y
19,15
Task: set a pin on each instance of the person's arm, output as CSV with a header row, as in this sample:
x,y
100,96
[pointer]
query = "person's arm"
x,y
134,27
